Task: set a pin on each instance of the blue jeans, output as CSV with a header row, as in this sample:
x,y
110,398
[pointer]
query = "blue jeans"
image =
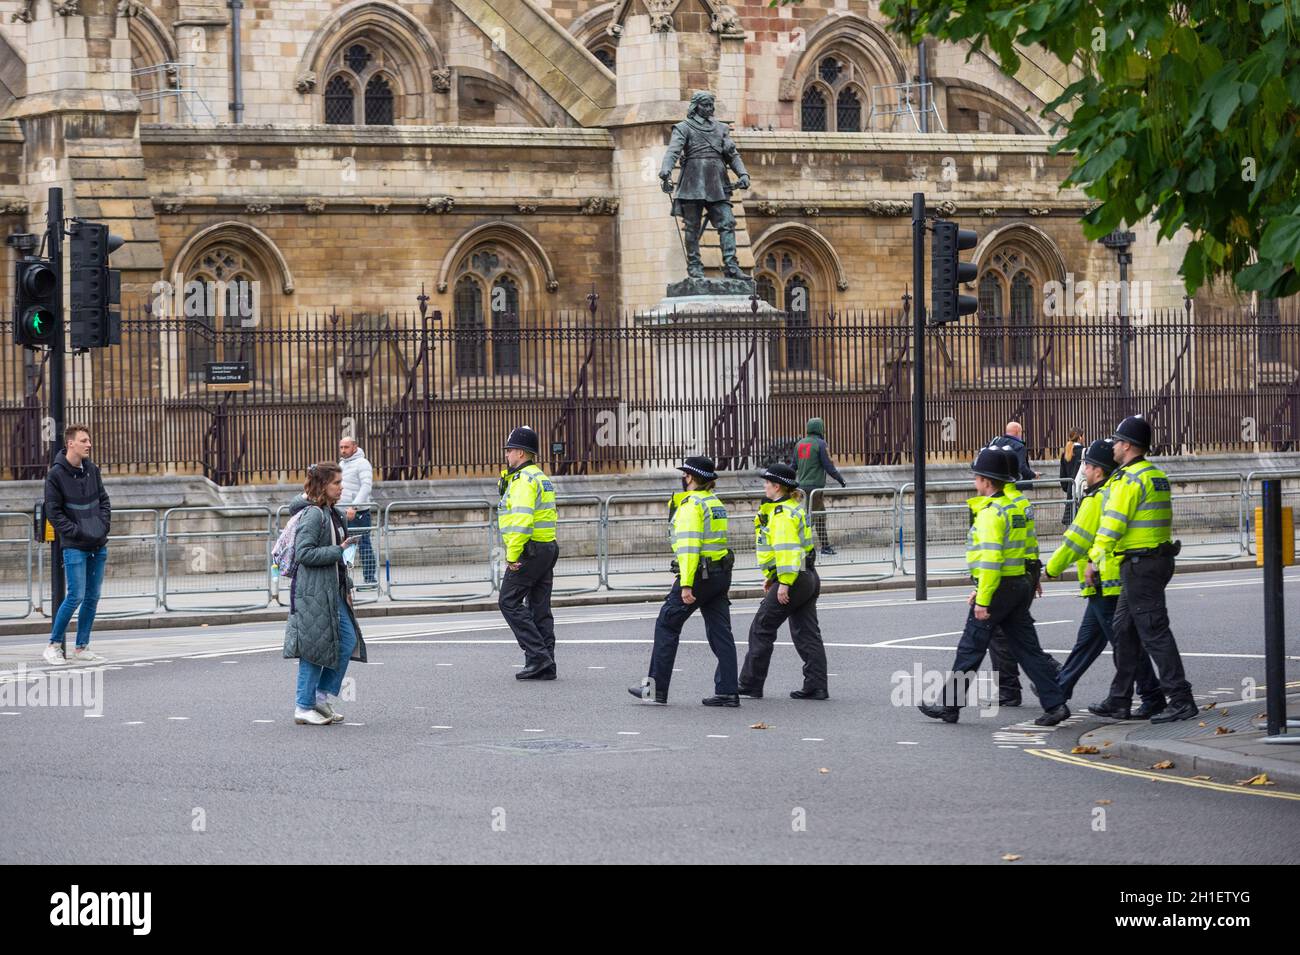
x,y
327,679
361,526
84,573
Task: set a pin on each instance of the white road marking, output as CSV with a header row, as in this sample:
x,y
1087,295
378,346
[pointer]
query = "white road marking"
x,y
439,727
134,723
10,713
534,731
812,739
354,724
629,733
716,736
907,742
92,716
178,717
595,668
444,664
263,721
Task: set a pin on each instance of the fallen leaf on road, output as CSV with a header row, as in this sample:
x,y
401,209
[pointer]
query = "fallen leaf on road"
x,y
1164,764
823,771
1085,749
1210,706
759,726
1008,857
1203,723
1222,731
1260,780
1203,777
1107,743
1103,802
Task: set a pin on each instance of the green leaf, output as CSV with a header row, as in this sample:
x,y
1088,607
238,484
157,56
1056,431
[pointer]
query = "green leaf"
x,y
1223,103
1273,19
1260,276
1100,162
1281,240
1193,270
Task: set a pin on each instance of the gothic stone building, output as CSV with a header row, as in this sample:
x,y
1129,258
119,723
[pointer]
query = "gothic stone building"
x,y
507,150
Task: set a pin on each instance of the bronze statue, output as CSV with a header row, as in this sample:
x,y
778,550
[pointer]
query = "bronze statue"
x,y
706,153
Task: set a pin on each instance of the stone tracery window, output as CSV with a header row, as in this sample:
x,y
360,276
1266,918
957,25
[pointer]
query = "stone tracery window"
x,y
488,303
221,297
1010,277
363,82
784,280
834,94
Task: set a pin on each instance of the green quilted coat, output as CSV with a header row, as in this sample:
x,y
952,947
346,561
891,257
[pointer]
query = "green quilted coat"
x,y
312,633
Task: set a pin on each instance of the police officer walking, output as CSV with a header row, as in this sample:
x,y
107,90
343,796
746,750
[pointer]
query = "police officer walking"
x,y
786,553
1136,529
703,564
996,556
1101,594
526,518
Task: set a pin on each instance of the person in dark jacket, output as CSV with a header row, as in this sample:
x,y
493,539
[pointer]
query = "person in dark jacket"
x,y
812,463
77,507
1014,436
322,631
1071,457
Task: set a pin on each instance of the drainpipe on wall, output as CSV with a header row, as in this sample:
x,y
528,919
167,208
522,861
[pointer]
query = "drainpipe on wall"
x,y
924,78
237,78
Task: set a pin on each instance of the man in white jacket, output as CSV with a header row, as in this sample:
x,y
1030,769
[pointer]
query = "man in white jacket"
x,y
355,500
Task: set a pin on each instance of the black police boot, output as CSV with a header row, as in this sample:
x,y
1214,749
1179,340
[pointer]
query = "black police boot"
x,y
752,694
1009,700
1105,708
1182,710
1148,710
1053,716
948,714
722,699
538,671
661,696
809,695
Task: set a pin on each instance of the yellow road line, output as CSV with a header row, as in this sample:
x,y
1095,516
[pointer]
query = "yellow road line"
x,y
1071,760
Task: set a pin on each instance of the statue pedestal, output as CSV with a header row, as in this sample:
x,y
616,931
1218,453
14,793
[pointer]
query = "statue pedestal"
x,y
716,375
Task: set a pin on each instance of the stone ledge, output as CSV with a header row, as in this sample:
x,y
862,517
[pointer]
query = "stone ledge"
x,y
477,137
928,143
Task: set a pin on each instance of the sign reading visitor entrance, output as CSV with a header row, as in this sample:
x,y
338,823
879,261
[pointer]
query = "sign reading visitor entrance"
x,y
227,376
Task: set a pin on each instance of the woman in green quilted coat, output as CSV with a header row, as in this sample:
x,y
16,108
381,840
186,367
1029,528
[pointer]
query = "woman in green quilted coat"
x,y
322,632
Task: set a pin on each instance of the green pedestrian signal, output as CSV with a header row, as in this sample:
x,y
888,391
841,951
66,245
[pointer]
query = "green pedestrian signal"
x,y
36,293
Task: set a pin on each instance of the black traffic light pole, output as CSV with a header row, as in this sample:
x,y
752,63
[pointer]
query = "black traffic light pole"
x,y
1274,619
54,247
918,385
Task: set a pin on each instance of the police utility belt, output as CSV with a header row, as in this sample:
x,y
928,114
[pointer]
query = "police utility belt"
x,y
716,563
1167,549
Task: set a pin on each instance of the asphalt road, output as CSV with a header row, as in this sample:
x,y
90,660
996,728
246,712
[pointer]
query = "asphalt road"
x,y
445,757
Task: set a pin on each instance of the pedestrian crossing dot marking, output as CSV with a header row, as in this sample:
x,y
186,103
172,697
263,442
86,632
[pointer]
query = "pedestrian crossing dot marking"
x,y
907,742
444,664
354,724
812,739
134,723
439,727
629,733
716,736
263,721
595,668
178,717
534,731
92,716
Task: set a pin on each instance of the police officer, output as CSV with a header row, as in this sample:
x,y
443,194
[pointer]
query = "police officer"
x,y
1136,529
526,518
786,553
1101,595
1009,691
996,557
703,565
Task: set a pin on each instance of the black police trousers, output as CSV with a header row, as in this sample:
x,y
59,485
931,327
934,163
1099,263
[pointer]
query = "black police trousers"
x,y
715,606
805,633
1009,611
525,602
1141,622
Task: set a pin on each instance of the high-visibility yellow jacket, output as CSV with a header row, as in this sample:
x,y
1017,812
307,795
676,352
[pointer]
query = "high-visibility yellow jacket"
x,y
699,532
1078,541
1031,532
782,539
995,544
526,510
1138,512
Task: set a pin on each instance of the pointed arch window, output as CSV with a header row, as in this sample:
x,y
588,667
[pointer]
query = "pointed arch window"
x,y
489,304
363,85
835,89
471,349
848,112
340,101
222,302
813,110
379,101
1008,301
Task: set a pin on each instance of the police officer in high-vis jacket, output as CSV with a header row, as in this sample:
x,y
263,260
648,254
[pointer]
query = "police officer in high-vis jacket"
x,y
1009,691
1101,594
1136,529
995,554
787,551
526,517
703,564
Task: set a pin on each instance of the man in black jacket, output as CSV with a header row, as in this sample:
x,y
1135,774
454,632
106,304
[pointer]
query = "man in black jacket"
x,y
77,507
1014,437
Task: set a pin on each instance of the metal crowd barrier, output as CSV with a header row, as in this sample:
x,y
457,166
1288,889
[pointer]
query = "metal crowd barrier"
x,y
130,574
442,558
637,549
582,540
861,535
1252,498
199,562
362,592
1199,523
16,566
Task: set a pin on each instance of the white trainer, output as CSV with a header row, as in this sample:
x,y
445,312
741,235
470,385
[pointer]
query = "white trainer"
x,y
86,655
312,717
53,654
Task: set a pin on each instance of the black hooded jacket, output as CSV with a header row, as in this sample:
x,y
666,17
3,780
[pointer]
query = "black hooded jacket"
x,y
76,504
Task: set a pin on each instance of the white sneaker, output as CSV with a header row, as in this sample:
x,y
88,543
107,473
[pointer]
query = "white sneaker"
x,y
312,717
53,654
86,655
324,709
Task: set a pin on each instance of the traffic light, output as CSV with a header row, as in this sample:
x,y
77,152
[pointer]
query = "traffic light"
x,y
36,293
94,287
947,273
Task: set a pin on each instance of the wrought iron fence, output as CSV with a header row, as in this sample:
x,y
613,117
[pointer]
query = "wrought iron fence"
x,y
427,397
